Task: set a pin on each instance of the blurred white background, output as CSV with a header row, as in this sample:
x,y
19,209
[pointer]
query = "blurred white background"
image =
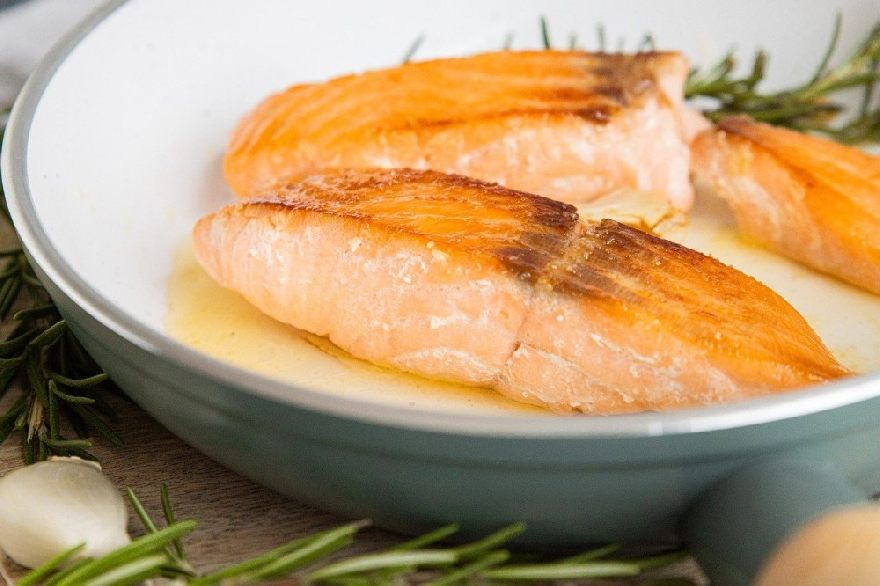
x,y
27,31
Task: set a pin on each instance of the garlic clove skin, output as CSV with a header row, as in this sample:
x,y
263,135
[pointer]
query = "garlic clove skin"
x,y
49,507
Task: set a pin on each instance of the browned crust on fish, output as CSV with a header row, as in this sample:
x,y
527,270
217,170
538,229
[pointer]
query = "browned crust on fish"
x,y
707,304
404,107
637,277
521,230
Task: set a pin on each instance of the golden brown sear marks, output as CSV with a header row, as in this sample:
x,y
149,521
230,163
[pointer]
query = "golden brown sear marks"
x,y
641,276
530,120
521,230
705,302
467,281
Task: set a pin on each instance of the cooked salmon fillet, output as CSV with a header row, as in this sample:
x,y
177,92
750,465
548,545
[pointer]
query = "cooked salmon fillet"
x,y
453,278
813,200
566,124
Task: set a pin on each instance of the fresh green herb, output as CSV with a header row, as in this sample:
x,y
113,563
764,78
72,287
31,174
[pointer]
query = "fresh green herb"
x,y
545,34
411,51
646,43
159,553
507,45
601,42
57,382
807,107
719,92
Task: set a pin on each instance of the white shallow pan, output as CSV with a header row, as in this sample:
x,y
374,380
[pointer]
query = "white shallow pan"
x,y
114,151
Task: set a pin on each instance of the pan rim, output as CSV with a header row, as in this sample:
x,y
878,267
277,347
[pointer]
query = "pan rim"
x,y
750,412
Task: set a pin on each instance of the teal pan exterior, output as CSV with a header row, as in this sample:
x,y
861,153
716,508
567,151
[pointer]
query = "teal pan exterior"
x,y
575,481
571,491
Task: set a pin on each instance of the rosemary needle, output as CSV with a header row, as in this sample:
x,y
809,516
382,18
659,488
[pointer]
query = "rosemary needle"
x,y
545,34
563,571
428,538
168,511
159,553
807,107
140,511
593,554
390,559
50,566
492,541
317,549
133,572
293,553
492,558
61,575
82,383
146,545
56,379
413,49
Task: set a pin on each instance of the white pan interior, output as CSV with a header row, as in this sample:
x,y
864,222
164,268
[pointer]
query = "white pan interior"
x,y
125,146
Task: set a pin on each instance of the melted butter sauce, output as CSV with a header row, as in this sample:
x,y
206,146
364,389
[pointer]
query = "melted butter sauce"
x,y
220,323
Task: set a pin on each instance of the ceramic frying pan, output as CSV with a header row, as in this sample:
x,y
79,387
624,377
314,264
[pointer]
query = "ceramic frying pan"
x,y
113,151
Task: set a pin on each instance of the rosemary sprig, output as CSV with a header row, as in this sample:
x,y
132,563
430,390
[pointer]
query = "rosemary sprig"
x,y
807,107
58,384
159,553
413,49
646,43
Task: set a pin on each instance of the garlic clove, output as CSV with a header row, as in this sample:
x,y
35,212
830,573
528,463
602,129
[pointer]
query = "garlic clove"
x,y
51,506
644,210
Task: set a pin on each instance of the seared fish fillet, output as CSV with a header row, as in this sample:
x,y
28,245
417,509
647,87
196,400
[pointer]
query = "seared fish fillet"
x,y
457,279
566,124
811,199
